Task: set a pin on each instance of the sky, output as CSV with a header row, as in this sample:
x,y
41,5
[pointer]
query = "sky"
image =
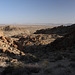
x,y
37,11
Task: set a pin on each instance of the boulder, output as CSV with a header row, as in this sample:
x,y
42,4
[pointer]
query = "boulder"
x,y
1,43
4,49
29,43
9,39
13,60
1,33
15,46
3,38
22,53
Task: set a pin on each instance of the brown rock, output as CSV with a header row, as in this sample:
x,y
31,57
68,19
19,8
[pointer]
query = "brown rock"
x,y
42,42
13,60
28,43
3,38
8,51
8,39
4,49
39,38
1,43
1,33
34,40
12,45
9,43
16,42
22,53
15,46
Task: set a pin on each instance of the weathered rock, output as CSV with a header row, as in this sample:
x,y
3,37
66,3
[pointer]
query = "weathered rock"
x,y
1,43
1,33
15,46
9,39
22,53
33,39
13,60
28,43
3,38
4,49
3,64
10,44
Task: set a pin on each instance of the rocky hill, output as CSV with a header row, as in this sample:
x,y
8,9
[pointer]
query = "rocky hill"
x,y
47,52
64,43
60,30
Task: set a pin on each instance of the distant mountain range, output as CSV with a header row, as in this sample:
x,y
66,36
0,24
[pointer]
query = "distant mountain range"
x,y
52,24
40,24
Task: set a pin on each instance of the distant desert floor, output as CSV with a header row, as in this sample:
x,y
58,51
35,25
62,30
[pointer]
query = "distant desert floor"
x,y
27,29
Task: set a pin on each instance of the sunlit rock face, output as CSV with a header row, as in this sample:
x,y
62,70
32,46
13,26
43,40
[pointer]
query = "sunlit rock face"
x,y
1,33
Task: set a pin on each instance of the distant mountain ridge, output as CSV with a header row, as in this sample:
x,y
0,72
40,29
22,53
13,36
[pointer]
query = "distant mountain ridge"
x,y
40,24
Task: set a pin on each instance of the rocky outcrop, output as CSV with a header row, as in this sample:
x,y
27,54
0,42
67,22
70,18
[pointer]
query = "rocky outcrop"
x,y
63,43
7,46
60,30
9,28
37,39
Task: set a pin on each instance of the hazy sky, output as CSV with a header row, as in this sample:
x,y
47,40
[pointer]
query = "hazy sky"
x,y
37,11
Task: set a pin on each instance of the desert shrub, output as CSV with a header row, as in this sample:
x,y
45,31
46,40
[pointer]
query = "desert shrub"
x,y
29,59
21,69
9,28
13,68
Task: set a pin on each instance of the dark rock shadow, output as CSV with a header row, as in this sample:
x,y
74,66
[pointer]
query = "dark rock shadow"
x,y
60,30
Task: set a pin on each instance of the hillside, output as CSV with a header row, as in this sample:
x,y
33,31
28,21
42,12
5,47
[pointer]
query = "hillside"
x,y
60,30
49,51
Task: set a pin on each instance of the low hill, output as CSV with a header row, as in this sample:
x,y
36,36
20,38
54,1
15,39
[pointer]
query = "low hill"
x,y
60,30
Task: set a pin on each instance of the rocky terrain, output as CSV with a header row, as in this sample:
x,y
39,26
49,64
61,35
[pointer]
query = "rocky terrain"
x,y
43,51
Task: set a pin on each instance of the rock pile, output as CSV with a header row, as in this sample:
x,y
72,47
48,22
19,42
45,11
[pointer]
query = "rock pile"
x,y
7,46
38,39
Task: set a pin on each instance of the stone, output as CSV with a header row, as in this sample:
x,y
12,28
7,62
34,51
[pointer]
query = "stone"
x,y
1,33
22,53
1,43
13,60
29,43
3,38
34,40
10,44
8,51
3,64
8,39
4,49
15,46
